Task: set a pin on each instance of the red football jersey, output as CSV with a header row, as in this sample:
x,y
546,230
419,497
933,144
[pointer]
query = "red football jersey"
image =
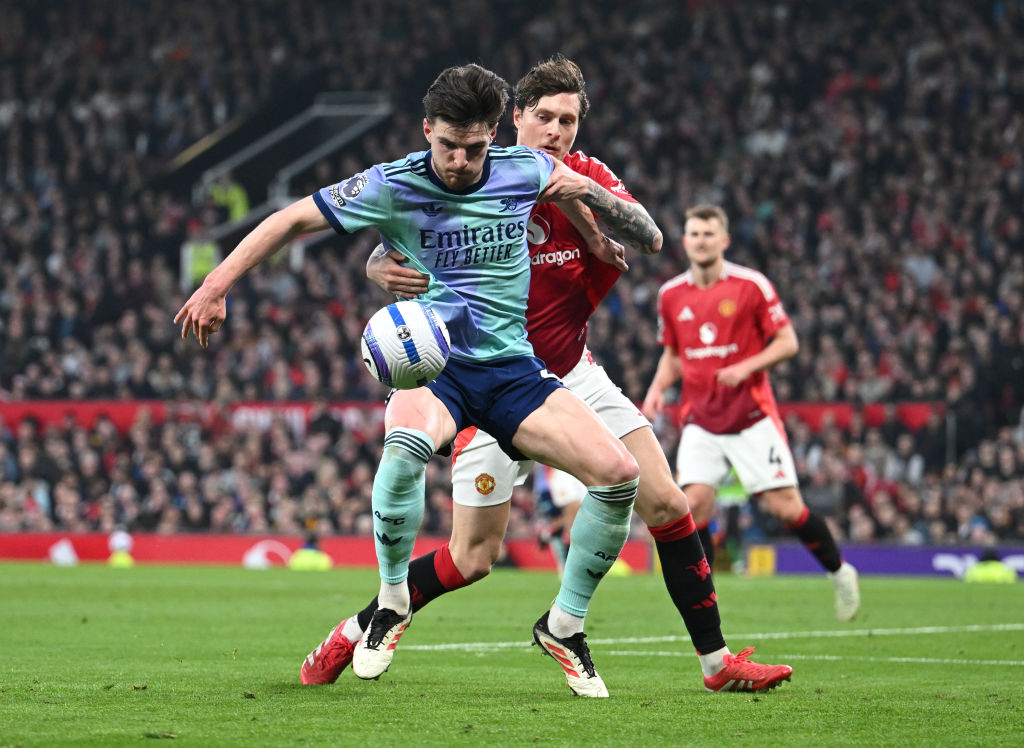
x,y
566,281
711,328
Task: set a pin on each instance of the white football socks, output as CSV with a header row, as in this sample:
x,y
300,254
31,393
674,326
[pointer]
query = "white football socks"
x,y
350,629
394,596
562,624
712,662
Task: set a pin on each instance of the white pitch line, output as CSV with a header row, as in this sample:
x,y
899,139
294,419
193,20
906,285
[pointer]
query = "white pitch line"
x,y
829,634
823,634
835,658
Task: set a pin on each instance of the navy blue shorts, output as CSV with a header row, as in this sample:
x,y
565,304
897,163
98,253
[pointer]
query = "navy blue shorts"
x,y
495,396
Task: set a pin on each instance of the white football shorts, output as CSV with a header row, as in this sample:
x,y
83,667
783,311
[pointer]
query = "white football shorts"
x,y
760,454
483,475
565,489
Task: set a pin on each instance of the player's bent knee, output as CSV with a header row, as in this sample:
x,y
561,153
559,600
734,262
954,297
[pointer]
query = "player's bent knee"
x,y
622,470
785,504
697,499
476,573
701,501
657,508
475,563
701,507
788,515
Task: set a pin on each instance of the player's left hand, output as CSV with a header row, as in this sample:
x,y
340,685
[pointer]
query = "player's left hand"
x,y
388,270
733,375
610,251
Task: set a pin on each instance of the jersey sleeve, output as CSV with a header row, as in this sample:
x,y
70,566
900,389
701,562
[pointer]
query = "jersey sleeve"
x,y
546,165
358,202
771,314
603,175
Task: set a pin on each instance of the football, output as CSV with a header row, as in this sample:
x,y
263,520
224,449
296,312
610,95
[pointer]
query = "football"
x,y
405,345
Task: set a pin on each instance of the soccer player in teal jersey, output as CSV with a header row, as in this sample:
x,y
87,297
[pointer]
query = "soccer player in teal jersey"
x,y
460,210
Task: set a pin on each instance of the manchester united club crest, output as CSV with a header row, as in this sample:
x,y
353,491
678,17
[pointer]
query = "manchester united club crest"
x,y
727,307
484,484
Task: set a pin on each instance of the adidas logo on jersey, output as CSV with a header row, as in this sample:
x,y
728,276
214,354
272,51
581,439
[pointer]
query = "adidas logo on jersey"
x,y
686,315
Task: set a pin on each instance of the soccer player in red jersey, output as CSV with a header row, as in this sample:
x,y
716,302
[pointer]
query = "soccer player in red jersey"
x,y
722,327
567,283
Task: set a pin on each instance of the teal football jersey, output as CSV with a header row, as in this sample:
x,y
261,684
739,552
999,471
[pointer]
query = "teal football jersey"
x,y
472,242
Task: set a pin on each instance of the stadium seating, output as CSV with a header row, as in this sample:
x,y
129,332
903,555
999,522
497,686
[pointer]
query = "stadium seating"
x,y
876,180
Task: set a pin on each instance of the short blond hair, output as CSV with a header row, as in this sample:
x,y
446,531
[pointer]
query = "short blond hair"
x,y
706,212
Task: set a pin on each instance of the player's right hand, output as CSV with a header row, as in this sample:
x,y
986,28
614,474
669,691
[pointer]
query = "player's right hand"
x,y
203,314
653,403
386,269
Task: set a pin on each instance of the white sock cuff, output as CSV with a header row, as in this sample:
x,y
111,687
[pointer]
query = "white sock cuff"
x,y
350,629
562,623
394,596
712,662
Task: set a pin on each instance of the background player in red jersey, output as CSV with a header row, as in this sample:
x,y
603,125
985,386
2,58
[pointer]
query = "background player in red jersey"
x,y
722,327
567,283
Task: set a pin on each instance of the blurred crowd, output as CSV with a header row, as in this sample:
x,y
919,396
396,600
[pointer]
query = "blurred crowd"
x,y
868,154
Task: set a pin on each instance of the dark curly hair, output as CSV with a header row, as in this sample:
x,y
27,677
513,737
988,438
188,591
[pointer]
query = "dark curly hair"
x,y
466,96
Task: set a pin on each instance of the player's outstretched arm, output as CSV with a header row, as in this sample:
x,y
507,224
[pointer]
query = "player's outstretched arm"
x,y
385,268
668,371
206,310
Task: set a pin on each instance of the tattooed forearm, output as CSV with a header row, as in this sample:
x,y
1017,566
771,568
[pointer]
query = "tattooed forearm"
x,y
628,220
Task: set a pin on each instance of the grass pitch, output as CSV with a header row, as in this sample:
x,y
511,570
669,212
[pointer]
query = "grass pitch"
x,y
210,656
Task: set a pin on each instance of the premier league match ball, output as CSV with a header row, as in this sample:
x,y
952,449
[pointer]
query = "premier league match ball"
x,y
405,345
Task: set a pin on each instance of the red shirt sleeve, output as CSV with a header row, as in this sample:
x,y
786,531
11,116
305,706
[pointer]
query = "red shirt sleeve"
x,y
600,173
771,315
